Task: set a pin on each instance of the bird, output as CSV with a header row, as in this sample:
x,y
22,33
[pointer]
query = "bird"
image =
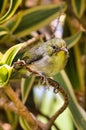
x,y
47,58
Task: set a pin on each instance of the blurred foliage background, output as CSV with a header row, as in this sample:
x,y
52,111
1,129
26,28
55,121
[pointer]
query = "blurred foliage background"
x,y
22,20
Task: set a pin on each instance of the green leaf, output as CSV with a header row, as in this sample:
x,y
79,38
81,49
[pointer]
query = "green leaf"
x,y
71,41
79,115
78,7
72,65
1,55
12,8
9,56
26,85
12,118
3,31
37,17
6,30
3,5
71,70
13,23
24,124
5,73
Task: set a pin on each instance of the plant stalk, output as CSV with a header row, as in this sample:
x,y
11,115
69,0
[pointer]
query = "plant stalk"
x,y
22,110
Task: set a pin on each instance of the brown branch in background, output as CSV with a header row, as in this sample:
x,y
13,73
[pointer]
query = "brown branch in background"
x,y
48,118
34,123
8,105
22,110
31,41
31,119
57,89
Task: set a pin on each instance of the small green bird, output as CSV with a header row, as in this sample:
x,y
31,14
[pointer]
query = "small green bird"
x,y
47,58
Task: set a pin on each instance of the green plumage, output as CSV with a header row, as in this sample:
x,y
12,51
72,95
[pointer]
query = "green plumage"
x,y
47,58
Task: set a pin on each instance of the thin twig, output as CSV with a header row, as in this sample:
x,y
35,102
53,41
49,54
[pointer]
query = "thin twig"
x,y
29,42
57,89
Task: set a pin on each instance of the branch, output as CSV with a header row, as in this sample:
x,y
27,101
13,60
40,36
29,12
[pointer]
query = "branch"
x,y
57,89
22,110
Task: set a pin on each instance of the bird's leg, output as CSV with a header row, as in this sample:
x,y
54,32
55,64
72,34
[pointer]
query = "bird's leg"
x,y
43,80
19,64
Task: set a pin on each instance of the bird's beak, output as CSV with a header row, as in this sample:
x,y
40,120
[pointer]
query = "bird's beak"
x,y
63,49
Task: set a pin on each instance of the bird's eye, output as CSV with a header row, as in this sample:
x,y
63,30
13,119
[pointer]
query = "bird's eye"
x,y
54,47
